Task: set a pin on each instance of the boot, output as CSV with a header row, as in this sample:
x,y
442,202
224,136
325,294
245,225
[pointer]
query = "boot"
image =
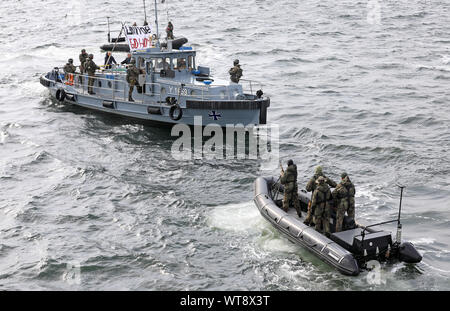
x,y
130,99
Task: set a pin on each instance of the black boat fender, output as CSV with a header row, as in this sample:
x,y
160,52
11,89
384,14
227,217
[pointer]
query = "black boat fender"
x,y
407,253
175,112
60,95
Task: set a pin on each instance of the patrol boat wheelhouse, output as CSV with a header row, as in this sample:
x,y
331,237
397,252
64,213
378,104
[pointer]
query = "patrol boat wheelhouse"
x,y
174,89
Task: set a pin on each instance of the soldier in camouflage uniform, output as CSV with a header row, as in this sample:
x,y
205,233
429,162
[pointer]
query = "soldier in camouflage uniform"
x,y
344,196
320,205
235,72
289,180
90,68
83,58
311,186
133,78
169,31
69,67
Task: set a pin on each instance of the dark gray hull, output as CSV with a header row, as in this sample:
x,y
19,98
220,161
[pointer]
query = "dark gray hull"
x,y
294,229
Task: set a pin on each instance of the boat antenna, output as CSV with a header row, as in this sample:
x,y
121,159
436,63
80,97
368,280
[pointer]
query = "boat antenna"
x,y
167,11
145,14
399,225
156,21
109,32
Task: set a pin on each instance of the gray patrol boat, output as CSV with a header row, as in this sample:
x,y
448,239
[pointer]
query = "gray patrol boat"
x,y
174,89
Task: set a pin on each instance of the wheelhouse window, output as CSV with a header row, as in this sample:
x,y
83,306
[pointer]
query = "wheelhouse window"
x,y
179,63
162,63
141,63
191,62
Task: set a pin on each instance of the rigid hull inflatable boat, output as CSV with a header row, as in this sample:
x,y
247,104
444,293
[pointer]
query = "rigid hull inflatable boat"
x,y
348,251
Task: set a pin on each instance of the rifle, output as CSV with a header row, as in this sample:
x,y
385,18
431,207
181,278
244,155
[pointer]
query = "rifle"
x,y
279,181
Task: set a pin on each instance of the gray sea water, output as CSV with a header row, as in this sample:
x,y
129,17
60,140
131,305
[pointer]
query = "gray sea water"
x,y
92,202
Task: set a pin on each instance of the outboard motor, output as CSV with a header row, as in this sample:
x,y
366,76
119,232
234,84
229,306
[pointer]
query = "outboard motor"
x,y
407,253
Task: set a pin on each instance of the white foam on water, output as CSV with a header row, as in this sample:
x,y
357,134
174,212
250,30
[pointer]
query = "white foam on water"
x,y
235,217
422,241
272,241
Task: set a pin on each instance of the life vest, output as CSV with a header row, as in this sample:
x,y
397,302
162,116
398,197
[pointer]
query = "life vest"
x,y
69,78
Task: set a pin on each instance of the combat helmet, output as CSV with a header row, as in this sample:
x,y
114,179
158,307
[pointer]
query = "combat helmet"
x,y
236,62
319,170
343,175
290,162
91,56
70,60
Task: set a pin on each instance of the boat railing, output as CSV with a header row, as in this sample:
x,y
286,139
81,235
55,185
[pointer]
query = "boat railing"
x,y
250,86
117,89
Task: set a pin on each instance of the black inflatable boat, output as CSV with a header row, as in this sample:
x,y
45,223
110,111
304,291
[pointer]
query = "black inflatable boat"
x,y
348,250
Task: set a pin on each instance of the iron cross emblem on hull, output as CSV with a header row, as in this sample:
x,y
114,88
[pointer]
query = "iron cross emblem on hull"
x,y
215,115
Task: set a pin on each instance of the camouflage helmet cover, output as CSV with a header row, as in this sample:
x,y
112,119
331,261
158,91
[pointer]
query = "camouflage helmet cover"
x,y
290,162
91,56
319,170
343,175
236,62
70,60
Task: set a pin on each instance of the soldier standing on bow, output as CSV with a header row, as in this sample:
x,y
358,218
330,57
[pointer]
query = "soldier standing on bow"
x,y
169,31
235,72
289,180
